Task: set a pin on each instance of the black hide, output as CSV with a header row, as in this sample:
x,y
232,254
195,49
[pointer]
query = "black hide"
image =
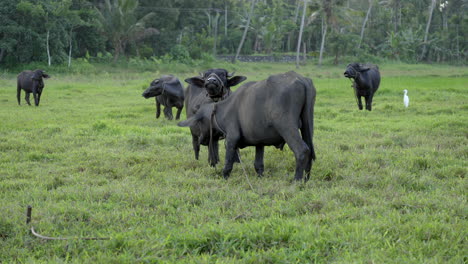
x,y
31,82
212,85
366,82
169,92
272,112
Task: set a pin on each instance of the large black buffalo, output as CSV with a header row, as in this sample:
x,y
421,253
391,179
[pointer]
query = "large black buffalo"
x,y
366,81
31,82
211,86
169,92
264,113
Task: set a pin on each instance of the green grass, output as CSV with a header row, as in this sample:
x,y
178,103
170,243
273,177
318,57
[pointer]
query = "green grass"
x,y
388,186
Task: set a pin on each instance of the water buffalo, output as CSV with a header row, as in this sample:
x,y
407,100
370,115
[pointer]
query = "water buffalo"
x,y
31,82
169,92
366,81
211,86
265,113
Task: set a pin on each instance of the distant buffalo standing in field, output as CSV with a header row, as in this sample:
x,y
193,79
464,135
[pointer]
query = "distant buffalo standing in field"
x,y
169,92
31,82
366,81
212,86
264,113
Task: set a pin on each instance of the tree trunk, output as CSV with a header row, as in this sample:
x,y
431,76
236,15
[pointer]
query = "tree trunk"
x,y
256,46
117,49
225,20
296,13
322,44
137,50
215,33
245,32
70,50
300,34
209,22
364,23
2,53
428,25
290,34
458,46
49,60
304,51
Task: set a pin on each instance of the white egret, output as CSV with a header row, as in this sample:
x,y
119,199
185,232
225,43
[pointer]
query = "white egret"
x,y
406,98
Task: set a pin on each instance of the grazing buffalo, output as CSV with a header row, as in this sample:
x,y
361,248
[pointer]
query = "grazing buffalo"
x,y
212,86
169,92
31,82
264,113
366,81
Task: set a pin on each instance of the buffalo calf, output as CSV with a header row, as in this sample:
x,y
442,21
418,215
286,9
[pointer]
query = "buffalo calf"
x,y
366,81
31,82
211,86
169,92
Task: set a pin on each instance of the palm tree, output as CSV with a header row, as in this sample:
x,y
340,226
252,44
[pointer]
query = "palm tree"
x,y
330,12
245,31
395,7
426,33
300,34
120,25
365,22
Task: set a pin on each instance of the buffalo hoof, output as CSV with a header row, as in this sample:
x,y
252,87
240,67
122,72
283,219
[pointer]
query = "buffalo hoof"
x,y
226,174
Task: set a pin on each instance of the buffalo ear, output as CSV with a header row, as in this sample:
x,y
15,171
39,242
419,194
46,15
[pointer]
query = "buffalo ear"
x,y
187,123
191,121
236,80
197,81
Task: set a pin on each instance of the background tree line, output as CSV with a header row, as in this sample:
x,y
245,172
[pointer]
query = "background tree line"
x,y
55,31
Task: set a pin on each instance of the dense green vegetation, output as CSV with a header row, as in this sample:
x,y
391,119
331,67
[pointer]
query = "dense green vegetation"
x,y
388,186
54,31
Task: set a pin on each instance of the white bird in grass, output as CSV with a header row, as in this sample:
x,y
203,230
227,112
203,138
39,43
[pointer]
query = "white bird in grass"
x,y
406,98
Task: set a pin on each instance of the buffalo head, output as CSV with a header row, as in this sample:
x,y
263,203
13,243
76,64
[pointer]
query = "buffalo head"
x,y
39,74
38,83
203,119
217,82
167,84
353,70
156,88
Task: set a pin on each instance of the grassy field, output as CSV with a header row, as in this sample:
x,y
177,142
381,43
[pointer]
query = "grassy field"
x,y
388,186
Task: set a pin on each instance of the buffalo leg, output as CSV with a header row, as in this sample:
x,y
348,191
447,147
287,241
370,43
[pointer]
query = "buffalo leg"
x,y
196,146
369,103
258,164
179,110
230,155
27,98
36,101
359,102
18,95
213,154
158,109
300,149
168,112
308,165
38,98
